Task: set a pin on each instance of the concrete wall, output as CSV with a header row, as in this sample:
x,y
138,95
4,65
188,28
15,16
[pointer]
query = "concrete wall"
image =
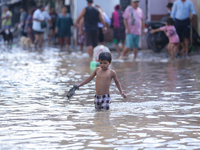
x,y
143,7
198,16
107,6
157,7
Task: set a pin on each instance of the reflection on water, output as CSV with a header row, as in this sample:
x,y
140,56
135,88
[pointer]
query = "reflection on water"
x,y
161,111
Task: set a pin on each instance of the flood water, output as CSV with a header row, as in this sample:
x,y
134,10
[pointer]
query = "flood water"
x,y
161,111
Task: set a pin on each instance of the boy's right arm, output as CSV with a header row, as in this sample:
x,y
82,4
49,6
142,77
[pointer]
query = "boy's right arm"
x,y
88,79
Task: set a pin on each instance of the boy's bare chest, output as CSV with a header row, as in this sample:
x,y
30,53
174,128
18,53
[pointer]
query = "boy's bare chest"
x,y
104,76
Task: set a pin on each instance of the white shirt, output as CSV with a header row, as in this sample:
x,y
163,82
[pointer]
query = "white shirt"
x,y
37,24
47,17
107,20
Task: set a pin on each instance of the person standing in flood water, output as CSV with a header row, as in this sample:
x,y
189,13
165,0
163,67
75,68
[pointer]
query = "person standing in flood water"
x,y
118,28
63,28
134,24
38,18
183,12
6,21
91,18
103,81
23,17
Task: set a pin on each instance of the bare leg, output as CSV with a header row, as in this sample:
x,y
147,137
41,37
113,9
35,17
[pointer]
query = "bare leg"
x,y
60,41
49,38
67,47
135,51
172,48
60,47
51,35
173,51
117,48
41,40
125,50
81,48
169,48
122,44
186,41
183,48
36,40
90,51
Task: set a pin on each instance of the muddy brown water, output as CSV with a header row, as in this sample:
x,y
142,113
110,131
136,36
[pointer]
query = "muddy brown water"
x,y
161,111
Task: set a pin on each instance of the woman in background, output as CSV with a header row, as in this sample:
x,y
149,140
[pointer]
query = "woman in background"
x,y
63,28
118,28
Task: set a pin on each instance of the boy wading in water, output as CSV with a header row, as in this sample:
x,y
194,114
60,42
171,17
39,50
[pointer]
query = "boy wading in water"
x,y
103,80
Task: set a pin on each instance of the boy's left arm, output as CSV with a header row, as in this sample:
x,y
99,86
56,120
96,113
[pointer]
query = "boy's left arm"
x,y
118,85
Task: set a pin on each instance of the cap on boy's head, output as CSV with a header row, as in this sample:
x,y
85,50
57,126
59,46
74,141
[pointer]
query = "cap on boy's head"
x,y
105,56
90,1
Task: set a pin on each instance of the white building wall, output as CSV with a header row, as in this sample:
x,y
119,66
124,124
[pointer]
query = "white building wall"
x,y
106,5
157,7
143,7
198,16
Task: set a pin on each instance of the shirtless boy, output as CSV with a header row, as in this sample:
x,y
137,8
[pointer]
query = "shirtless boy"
x,y
103,81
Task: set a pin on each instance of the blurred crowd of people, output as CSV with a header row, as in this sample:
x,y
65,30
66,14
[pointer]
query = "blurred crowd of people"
x,y
92,25
127,26
40,24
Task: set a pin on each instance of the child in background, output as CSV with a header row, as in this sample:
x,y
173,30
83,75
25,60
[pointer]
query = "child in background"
x,y
171,33
80,32
103,81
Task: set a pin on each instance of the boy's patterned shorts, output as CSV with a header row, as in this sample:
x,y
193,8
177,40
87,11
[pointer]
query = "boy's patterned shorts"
x,y
102,101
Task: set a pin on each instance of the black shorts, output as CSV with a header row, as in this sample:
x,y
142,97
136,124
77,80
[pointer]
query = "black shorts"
x,y
91,38
183,28
101,35
38,32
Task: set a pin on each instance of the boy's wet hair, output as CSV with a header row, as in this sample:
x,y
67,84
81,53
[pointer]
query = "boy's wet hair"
x,y
105,56
170,21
